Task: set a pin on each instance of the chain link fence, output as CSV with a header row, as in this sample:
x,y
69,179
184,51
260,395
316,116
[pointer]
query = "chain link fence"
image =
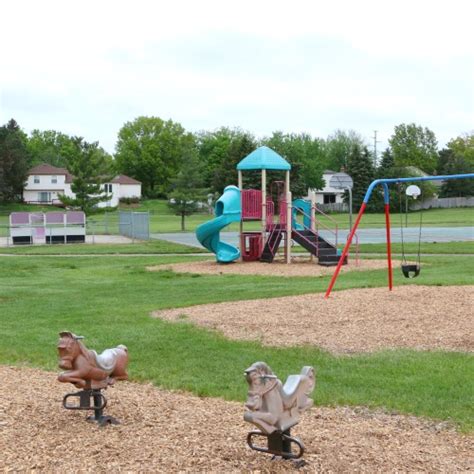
x,y
135,225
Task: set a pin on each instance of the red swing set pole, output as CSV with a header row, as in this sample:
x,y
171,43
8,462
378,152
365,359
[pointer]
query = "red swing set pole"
x,y
385,183
346,250
386,195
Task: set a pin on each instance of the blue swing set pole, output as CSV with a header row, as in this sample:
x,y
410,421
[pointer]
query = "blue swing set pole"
x,y
385,183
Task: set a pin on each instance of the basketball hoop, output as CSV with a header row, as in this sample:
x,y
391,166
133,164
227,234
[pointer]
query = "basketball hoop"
x,y
413,191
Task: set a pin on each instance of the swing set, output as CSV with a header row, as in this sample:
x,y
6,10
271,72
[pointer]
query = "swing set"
x,y
409,270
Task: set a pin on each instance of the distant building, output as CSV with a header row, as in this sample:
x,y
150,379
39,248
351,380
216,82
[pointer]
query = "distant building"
x,y
329,197
46,183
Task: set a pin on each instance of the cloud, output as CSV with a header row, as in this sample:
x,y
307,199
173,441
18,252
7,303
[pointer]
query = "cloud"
x,y
88,68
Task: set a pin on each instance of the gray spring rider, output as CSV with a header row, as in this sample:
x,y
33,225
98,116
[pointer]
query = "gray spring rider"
x,y
275,408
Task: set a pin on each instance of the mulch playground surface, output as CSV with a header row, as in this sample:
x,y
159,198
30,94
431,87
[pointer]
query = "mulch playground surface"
x,y
163,431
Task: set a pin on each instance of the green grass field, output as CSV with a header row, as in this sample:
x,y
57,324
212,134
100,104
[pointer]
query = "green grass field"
x,y
109,300
162,220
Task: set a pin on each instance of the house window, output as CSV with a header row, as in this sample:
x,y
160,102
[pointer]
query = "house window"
x,y
108,188
36,179
329,198
44,196
54,179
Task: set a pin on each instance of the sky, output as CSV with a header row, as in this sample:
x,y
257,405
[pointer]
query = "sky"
x,y
87,68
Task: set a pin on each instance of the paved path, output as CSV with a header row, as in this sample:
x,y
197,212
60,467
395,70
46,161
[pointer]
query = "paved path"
x,y
366,236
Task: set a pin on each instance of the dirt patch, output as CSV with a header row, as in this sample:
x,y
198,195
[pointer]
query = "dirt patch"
x,y
300,266
361,320
163,431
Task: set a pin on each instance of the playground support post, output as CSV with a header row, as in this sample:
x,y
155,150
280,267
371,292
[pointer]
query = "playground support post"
x,y
264,204
288,198
371,187
288,227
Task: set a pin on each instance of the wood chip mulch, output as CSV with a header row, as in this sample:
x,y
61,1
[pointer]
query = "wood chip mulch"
x,y
163,431
350,321
300,267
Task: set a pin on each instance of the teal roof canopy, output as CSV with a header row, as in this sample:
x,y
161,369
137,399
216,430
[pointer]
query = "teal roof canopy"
x,y
264,158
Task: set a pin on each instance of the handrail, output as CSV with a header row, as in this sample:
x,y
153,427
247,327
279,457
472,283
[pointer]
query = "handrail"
x,y
270,213
326,227
318,223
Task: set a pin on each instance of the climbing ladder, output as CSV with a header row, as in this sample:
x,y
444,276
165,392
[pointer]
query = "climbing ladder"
x,y
272,244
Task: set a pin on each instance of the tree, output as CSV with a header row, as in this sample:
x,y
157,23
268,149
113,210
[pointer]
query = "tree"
x,y
90,170
453,162
220,152
413,145
225,169
13,161
307,159
360,167
51,147
151,150
339,146
463,146
188,189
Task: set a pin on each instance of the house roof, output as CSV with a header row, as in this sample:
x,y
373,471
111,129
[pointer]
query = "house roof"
x,y
264,158
47,169
122,179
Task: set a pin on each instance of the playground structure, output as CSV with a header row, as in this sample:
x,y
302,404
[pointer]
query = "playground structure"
x,y
275,408
385,183
47,228
91,372
281,218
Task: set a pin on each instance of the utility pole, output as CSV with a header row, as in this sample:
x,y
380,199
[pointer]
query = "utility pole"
x,y
375,148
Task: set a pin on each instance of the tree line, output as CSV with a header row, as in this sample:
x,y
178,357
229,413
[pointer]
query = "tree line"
x,y
182,166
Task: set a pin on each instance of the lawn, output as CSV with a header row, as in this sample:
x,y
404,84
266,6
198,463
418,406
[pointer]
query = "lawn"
x,y
109,300
162,219
137,248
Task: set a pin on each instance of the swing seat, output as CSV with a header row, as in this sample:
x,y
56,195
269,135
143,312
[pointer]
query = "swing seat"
x,y
410,270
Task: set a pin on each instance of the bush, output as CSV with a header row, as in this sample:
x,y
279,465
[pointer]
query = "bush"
x,y
129,200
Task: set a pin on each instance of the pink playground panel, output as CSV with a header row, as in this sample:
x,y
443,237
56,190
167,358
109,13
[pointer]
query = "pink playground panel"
x,y
251,204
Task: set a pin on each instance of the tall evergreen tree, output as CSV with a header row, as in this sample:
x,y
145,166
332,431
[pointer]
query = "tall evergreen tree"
x,y
361,168
90,171
13,161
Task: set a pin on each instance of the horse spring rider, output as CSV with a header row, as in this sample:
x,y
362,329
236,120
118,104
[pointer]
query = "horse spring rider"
x,y
85,368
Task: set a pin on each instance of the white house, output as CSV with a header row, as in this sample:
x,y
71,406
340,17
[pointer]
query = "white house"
x,y
46,183
329,195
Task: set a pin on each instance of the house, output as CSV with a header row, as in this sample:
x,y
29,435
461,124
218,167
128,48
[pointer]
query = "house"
x,y
46,183
328,197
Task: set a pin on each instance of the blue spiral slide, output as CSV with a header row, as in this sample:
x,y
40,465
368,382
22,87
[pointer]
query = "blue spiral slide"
x,y
228,209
